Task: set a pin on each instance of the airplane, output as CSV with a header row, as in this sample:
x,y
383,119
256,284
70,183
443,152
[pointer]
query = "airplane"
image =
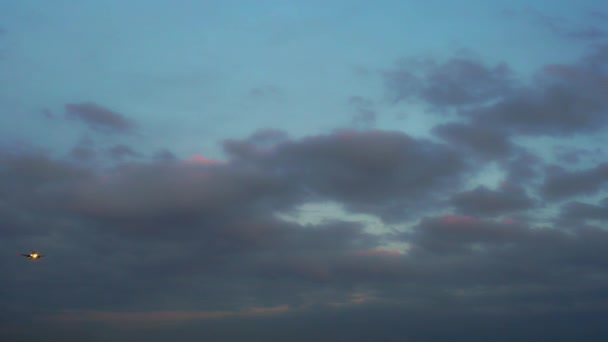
x,y
33,255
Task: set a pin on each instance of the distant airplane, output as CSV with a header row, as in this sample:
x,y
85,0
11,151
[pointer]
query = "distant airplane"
x,y
33,255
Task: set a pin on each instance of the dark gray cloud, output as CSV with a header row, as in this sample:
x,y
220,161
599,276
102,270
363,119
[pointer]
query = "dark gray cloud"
x,y
523,168
487,142
585,211
83,153
146,249
121,151
176,245
511,253
574,155
483,202
564,99
383,173
381,322
380,172
458,267
98,117
144,198
458,81
84,150
454,233
164,154
37,181
560,184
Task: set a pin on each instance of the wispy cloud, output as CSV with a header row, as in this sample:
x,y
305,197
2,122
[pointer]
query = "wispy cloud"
x,y
98,117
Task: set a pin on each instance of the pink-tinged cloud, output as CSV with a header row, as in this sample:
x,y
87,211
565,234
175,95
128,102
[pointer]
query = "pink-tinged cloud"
x,y
200,159
355,299
377,252
505,184
346,134
507,220
457,219
163,316
264,310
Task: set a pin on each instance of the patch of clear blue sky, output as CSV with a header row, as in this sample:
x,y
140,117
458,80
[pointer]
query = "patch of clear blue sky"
x,y
185,70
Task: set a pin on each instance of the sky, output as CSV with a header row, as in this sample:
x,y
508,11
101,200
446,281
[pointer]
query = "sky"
x,y
304,170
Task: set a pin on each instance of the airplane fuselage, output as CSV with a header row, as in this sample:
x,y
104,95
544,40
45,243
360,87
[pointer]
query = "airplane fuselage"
x,y
33,255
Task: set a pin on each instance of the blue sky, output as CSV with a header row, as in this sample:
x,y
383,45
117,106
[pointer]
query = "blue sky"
x,y
319,153
194,67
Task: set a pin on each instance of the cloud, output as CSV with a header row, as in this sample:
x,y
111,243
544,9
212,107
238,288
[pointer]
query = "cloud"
x,y
192,240
364,116
452,233
589,33
571,155
169,241
162,317
379,172
560,184
38,181
487,142
585,211
485,202
149,196
508,252
83,153
164,155
564,99
456,82
523,168
98,117
562,27
121,151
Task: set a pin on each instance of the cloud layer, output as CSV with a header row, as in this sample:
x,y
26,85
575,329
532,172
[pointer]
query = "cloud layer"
x,y
481,214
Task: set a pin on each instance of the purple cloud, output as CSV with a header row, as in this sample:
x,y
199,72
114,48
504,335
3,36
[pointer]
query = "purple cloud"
x,y
98,117
565,99
456,82
487,142
216,226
